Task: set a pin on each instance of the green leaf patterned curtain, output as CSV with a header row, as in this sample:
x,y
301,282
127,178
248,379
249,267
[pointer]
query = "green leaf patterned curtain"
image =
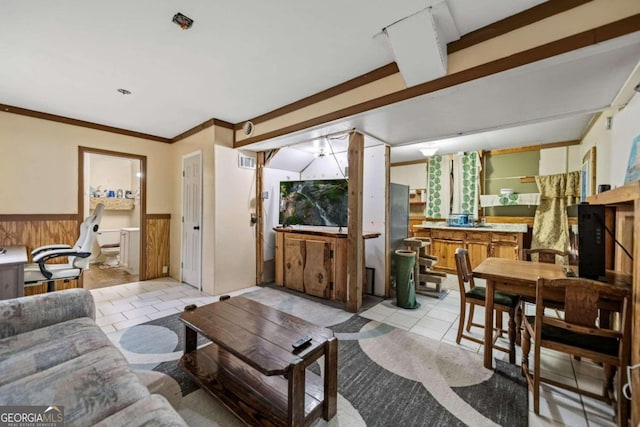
x,y
550,224
466,183
453,185
438,187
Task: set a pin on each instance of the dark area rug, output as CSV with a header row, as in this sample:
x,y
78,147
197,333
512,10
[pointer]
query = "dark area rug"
x,y
384,398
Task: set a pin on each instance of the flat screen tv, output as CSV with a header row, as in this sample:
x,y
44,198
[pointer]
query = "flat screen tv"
x,y
314,202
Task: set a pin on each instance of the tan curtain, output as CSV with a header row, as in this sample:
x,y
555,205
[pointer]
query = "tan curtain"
x,y
550,225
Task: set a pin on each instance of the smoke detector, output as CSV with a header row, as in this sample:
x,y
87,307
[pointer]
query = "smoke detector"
x,y
247,128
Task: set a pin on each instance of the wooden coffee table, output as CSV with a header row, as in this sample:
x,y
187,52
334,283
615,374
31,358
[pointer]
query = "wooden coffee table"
x,y
251,367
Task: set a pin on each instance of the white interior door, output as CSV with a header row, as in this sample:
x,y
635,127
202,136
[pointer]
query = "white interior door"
x,y
192,219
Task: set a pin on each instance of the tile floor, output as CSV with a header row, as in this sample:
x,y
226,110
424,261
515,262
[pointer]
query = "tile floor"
x,y
123,306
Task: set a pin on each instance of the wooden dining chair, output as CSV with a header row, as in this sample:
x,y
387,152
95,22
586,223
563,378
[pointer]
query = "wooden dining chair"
x,y
549,256
586,305
475,296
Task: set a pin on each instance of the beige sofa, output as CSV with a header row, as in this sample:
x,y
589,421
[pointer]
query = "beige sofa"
x,y
53,353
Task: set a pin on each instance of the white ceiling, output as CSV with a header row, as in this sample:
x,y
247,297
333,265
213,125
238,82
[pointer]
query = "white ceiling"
x,y
245,58
239,60
547,101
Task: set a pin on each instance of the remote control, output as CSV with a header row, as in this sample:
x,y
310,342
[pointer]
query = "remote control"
x,y
301,342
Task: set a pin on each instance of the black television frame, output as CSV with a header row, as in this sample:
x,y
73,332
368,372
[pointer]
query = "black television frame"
x,y
342,222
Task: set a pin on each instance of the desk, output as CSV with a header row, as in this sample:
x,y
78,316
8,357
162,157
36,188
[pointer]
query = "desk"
x,y
12,263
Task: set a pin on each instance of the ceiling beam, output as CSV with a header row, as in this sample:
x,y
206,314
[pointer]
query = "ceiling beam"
x,y
519,20
558,47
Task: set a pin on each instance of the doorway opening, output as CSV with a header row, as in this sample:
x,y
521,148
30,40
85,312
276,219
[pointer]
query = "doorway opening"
x,y
116,180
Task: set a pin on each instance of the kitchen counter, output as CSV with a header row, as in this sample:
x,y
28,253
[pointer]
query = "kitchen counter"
x,y
495,227
497,240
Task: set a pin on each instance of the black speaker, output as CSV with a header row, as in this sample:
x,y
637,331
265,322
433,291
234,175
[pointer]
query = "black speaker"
x,y
591,231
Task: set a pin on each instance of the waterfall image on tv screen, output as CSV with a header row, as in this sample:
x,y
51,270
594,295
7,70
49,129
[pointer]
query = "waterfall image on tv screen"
x,y
317,202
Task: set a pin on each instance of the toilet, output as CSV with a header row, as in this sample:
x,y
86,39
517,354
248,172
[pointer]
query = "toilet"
x,y
109,242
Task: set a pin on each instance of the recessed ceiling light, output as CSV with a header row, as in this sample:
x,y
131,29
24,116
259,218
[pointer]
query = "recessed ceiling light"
x,y
427,152
124,91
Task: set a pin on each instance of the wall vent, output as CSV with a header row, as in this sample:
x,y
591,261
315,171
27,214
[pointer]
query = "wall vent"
x,y
246,162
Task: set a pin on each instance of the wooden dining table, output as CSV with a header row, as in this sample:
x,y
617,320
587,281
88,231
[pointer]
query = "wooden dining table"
x,y
513,277
520,278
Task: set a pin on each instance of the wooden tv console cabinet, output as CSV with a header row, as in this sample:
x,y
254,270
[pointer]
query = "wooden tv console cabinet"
x,y
313,261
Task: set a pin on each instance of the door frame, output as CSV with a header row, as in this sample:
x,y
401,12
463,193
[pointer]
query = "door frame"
x,y
201,196
143,196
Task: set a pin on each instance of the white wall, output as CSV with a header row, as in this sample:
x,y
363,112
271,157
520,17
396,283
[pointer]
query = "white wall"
x,y
415,176
613,146
552,161
202,142
374,201
235,250
574,158
327,167
626,127
602,139
113,173
271,184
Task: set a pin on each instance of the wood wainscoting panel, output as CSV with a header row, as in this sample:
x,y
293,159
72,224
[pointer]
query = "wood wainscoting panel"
x,y
158,235
34,231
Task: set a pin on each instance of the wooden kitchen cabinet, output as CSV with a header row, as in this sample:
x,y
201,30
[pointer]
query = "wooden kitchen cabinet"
x,y
478,244
445,251
502,250
481,244
506,245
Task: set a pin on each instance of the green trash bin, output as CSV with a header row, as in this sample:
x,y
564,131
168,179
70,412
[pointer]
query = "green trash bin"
x,y
405,286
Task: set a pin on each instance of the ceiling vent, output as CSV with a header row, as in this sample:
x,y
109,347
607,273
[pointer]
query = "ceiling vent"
x,y
246,162
184,21
419,51
247,128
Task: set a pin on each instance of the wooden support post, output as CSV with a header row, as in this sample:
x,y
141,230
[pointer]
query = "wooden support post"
x,y
355,242
259,220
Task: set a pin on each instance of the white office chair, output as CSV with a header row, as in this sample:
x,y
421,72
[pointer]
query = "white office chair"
x,y
77,256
